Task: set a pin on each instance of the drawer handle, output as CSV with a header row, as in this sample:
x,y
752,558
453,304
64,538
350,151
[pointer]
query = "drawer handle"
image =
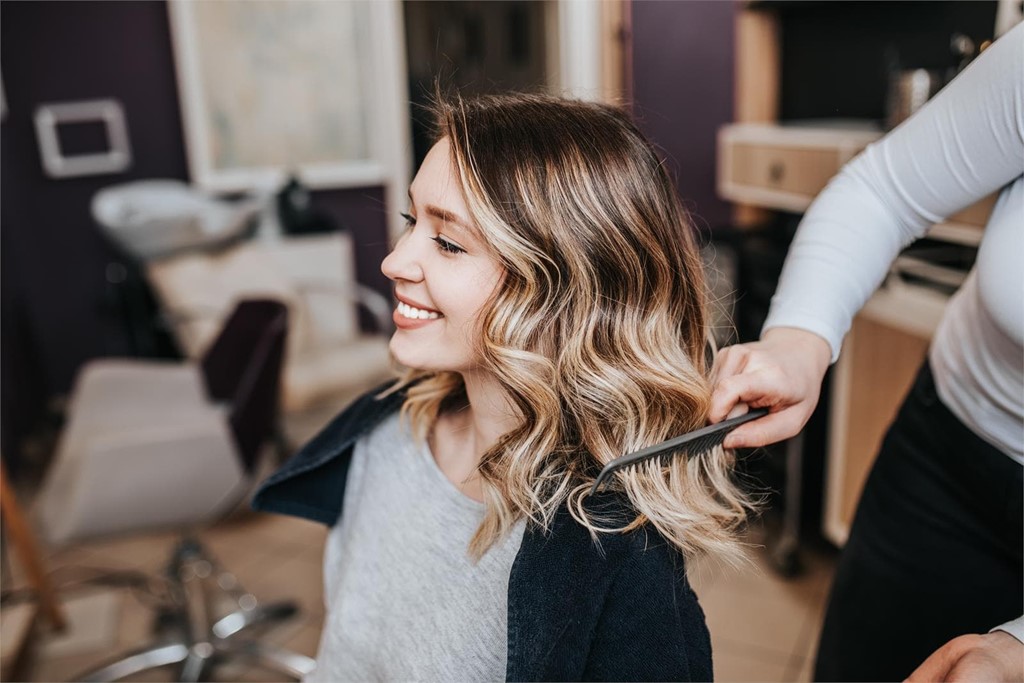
x,y
776,171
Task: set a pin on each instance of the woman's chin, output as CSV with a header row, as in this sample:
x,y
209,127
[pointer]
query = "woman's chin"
x,y
407,355
416,353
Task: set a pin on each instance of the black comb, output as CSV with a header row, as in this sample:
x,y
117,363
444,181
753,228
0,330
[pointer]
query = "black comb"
x,y
692,444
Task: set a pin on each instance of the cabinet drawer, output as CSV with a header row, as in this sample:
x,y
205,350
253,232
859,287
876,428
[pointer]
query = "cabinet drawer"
x,y
783,167
800,171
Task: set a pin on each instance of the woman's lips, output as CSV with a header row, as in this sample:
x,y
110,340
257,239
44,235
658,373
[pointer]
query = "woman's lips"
x,y
408,315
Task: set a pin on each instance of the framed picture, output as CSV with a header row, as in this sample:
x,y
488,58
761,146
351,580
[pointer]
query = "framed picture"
x,y
278,87
115,155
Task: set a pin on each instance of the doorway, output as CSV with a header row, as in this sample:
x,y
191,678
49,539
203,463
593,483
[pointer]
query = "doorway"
x,y
475,47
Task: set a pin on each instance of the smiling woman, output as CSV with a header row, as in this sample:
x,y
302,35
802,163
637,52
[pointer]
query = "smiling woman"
x,y
443,273
551,316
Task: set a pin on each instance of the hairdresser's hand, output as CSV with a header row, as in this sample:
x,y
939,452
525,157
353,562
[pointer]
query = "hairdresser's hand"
x,y
783,372
995,656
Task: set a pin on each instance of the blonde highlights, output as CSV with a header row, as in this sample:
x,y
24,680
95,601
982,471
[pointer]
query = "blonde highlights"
x,y
598,331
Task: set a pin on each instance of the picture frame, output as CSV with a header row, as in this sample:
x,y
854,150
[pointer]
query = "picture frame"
x,y
48,119
292,87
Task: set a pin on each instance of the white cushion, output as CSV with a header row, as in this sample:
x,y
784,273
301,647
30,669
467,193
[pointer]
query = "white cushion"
x,y
313,275
199,290
320,268
332,370
143,448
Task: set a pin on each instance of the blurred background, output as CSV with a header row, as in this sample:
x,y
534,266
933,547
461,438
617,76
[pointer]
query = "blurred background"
x,y
163,162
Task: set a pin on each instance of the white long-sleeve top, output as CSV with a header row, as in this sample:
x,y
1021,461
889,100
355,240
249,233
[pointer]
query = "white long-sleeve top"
x,y
966,143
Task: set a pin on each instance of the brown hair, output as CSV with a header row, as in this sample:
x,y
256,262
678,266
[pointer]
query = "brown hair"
x,y
598,332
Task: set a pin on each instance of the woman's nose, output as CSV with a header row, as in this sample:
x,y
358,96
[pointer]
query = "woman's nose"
x,y
402,263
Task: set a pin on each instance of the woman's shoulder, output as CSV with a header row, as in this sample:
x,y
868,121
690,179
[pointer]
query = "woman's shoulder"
x,y
308,484
652,626
623,597
623,543
376,403
598,564
362,415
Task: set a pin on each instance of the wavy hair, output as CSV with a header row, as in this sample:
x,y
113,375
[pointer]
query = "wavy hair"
x,y
598,332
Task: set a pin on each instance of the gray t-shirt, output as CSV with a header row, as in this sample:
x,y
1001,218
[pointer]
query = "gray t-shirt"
x,y
404,600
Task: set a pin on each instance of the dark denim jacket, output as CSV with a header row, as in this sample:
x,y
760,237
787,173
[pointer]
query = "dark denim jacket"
x,y
622,611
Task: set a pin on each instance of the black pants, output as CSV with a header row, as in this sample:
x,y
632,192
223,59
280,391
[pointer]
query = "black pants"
x,y
934,551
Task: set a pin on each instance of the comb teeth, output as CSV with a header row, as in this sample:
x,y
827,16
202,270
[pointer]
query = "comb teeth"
x,y
692,444
707,443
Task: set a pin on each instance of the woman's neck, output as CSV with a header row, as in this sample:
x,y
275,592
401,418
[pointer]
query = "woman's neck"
x,y
462,436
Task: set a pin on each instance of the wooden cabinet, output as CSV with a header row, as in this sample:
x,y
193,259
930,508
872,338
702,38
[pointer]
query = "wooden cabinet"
x,y
784,167
886,345
773,166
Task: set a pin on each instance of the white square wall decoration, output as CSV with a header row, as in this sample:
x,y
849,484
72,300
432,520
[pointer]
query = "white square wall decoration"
x,y
116,158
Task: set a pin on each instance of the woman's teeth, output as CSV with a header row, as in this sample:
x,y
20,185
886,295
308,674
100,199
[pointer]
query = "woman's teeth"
x,y
416,313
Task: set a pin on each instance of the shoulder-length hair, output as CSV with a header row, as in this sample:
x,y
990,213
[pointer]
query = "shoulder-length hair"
x,y
598,332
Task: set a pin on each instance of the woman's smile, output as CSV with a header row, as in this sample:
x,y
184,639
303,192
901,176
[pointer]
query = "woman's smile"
x,y
409,315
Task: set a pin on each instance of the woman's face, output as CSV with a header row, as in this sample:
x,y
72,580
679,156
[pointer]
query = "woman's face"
x,y
443,273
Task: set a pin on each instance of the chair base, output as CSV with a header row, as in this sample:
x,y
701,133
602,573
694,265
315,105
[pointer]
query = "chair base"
x,y
193,640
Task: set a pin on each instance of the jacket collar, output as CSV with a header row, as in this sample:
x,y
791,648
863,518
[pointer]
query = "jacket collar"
x,y
312,483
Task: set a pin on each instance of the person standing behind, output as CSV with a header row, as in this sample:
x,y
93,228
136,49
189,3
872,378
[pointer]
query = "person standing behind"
x,y
934,555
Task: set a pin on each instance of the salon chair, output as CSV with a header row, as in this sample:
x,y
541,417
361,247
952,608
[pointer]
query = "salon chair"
x,y
151,444
329,359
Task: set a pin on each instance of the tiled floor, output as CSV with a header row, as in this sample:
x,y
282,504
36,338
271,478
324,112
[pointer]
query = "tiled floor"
x,y
763,628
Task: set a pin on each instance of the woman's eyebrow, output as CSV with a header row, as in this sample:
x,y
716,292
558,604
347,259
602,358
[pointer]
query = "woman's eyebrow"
x,y
449,217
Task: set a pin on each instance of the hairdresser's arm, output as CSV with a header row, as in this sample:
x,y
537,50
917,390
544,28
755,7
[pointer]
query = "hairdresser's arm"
x,y
963,145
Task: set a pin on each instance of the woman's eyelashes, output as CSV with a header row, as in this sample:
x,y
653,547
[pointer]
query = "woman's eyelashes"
x,y
443,244
448,247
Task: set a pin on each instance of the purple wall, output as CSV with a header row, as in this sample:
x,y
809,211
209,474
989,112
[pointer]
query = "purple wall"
x,y
54,316
683,56
53,258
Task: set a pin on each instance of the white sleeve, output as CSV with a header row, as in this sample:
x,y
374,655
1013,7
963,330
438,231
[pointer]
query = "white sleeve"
x,y
964,144
1015,628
